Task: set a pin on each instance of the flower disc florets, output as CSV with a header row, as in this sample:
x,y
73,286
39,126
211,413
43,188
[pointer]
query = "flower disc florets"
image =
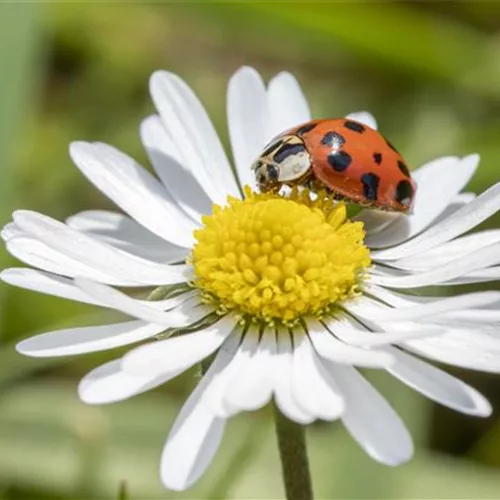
x,y
279,258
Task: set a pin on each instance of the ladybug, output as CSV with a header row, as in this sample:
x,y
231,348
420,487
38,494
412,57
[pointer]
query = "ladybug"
x,y
350,159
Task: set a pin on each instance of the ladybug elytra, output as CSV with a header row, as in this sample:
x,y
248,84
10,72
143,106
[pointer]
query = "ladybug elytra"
x,y
350,159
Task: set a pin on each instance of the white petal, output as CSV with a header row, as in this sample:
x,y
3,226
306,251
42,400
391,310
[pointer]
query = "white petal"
x,y
446,305
125,233
145,310
438,182
438,385
222,392
480,276
459,201
65,288
475,316
225,363
447,252
251,384
363,117
35,253
179,352
364,306
330,348
487,256
370,420
179,180
348,331
187,122
106,260
193,440
11,230
287,104
43,282
215,398
312,388
471,348
247,117
375,221
393,334
396,299
109,383
464,219
282,375
134,190
87,339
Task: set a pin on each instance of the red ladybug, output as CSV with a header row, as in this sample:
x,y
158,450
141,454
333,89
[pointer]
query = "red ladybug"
x,y
349,158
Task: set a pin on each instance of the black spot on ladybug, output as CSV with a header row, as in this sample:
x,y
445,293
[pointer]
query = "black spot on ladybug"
x,y
287,150
271,148
339,161
403,168
333,139
377,158
391,146
306,128
404,193
354,126
272,172
370,185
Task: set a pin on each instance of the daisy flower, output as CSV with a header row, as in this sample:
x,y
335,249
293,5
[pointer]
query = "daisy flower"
x,y
286,296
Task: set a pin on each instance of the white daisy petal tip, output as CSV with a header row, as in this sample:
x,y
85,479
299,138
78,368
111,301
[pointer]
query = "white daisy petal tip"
x,y
179,470
108,383
468,165
26,348
9,231
157,76
18,216
480,406
394,461
79,148
472,159
399,456
289,81
6,275
160,80
364,117
182,464
245,71
88,392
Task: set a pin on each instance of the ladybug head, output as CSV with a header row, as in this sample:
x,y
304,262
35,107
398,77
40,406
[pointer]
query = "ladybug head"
x,y
284,161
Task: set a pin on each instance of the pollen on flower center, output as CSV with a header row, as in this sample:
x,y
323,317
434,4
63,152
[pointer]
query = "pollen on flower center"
x,y
279,258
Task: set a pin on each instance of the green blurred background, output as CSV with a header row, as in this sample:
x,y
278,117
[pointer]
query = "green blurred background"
x,y
430,71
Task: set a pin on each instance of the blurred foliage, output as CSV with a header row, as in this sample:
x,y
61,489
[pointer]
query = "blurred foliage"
x,y
430,73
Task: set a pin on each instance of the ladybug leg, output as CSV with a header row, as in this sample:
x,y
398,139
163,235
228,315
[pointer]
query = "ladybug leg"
x,y
269,187
316,186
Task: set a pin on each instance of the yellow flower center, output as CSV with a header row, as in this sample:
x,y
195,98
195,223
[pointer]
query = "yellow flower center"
x,y
279,258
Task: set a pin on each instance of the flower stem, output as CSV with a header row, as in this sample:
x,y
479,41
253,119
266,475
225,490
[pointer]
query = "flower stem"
x,y
293,455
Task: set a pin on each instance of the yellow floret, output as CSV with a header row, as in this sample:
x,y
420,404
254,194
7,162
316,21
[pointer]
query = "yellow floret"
x,y
278,258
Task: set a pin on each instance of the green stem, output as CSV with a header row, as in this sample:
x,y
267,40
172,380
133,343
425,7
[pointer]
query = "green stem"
x,y
293,455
